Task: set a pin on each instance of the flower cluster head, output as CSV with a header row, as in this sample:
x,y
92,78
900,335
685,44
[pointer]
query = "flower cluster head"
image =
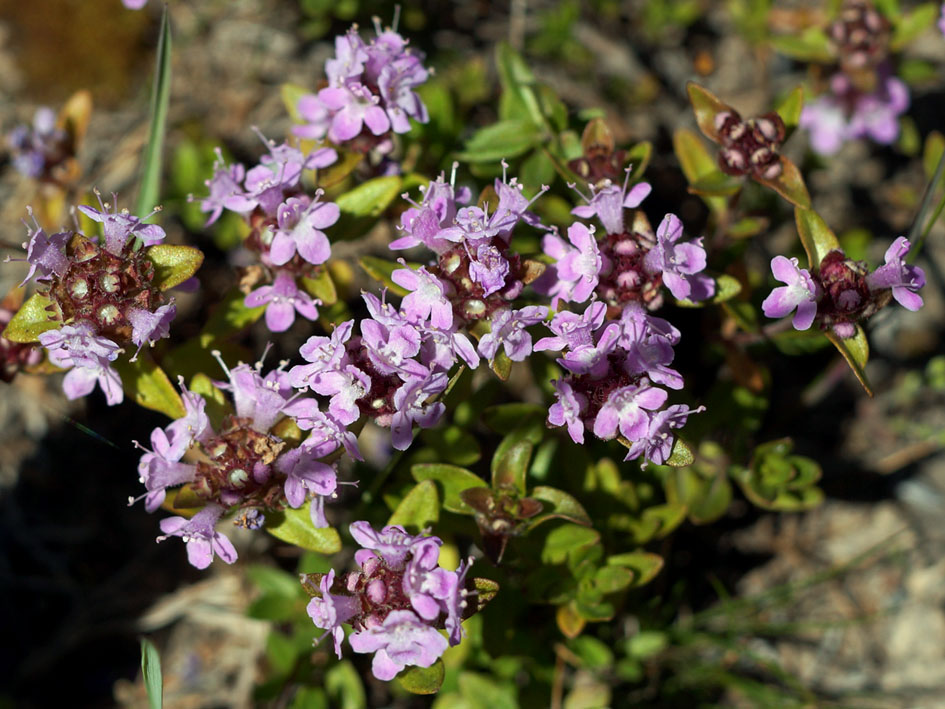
x,y
861,36
242,465
750,147
397,602
623,264
848,112
842,291
370,92
612,375
104,294
40,149
287,227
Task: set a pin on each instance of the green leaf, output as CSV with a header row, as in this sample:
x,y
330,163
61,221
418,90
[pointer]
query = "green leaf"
x,y
419,509
706,106
696,163
726,288
291,93
519,81
639,157
570,622
173,264
380,270
789,184
811,45
149,386
505,417
562,505
511,469
485,591
275,581
230,316
747,227
536,170
343,683
912,24
423,680
716,184
680,455
36,316
369,199
151,674
295,527
453,444
790,109
502,140
150,191
453,480
645,565
856,351
501,365
485,692
217,405
321,287
816,236
566,540
713,501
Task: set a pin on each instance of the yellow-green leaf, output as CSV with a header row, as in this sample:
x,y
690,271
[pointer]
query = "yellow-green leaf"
x,y
789,184
811,45
149,386
423,680
371,198
321,287
35,316
419,509
173,264
381,269
645,565
912,24
295,527
291,93
697,163
726,288
816,236
856,351
790,109
453,479
706,106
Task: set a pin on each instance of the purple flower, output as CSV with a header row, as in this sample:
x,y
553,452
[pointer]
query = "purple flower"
x,y
680,264
412,407
260,399
426,223
352,107
45,254
324,354
800,292
593,359
573,330
649,343
345,387
331,610
121,226
391,350
657,446
626,410
508,330
568,410
427,299
608,203
161,468
304,474
392,543
905,280
826,120
134,4
401,640
300,222
203,541
88,355
396,83
225,190
489,268
877,114
282,300
150,327
327,434
578,268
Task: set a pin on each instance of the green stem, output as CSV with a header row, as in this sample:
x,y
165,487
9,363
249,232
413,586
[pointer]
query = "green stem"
x,y
916,233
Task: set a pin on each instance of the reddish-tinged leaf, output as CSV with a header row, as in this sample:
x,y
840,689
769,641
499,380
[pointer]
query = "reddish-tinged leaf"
x,y
789,184
706,106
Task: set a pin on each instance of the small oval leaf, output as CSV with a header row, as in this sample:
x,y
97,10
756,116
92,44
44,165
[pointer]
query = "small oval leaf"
x,y
816,236
173,264
35,316
423,680
419,509
149,386
295,527
453,479
856,351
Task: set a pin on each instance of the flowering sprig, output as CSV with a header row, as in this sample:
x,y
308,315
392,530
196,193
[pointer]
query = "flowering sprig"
x,y
99,296
842,292
243,465
395,603
609,386
370,93
286,227
624,265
